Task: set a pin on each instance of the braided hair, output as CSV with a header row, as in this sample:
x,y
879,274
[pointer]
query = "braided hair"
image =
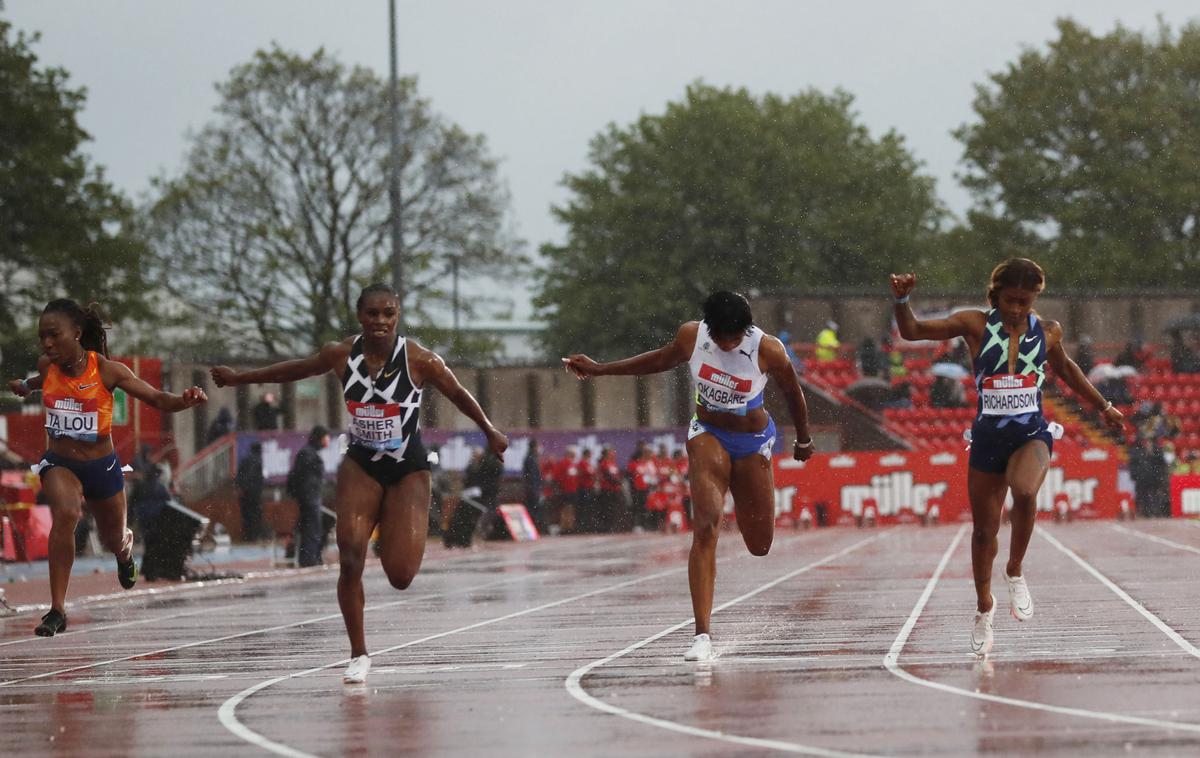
x,y
375,289
91,321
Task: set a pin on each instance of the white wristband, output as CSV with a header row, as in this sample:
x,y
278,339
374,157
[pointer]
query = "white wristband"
x,y
901,300
1106,407
804,444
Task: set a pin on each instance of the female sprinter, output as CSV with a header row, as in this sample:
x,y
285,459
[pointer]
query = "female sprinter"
x,y
731,435
384,479
1010,439
77,381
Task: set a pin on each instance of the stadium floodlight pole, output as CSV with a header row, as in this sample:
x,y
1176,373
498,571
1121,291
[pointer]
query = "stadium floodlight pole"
x,y
397,227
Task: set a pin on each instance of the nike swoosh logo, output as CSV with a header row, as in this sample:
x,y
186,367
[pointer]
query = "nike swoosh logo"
x,y
1027,340
110,466
88,386
390,373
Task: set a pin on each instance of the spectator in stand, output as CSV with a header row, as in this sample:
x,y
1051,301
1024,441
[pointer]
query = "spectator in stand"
x,y
305,483
786,338
668,484
828,342
1188,463
640,481
549,492
440,484
680,461
1085,356
899,396
897,371
947,393
959,355
870,359
585,503
533,483
1158,424
491,471
1150,472
1183,357
220,426
566,477
611,498
249,480
265,413
1133,354
141,461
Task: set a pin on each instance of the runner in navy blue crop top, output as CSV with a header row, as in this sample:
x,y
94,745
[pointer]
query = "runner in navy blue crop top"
x,y
1010,439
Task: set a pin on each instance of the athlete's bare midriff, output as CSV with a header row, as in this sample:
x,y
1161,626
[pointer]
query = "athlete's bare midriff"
x,y
754,421
80,450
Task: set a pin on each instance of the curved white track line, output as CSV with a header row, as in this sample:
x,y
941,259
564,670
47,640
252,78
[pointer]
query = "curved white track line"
x,y
1156,538
228,710
891,660
575,687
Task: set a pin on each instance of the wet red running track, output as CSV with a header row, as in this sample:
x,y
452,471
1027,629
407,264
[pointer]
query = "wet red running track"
x,y
841,641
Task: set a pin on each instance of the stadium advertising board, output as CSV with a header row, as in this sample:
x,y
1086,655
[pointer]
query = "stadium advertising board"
x,y
904,486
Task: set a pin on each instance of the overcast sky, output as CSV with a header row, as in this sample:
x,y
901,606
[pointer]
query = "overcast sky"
x,y
540,78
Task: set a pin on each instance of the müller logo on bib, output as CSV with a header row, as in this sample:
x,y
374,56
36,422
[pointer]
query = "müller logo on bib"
x,y
373,410
1009,382
68,404
735,383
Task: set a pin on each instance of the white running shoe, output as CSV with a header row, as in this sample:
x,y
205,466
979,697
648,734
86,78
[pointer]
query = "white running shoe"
x,y
356,672
981,633
701,649
1019,598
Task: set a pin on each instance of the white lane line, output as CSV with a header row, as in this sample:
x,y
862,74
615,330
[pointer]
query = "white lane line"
x,y
891,662
575,687
172,589
306,572
117,625
253,632
228,710
1162,626
1156,538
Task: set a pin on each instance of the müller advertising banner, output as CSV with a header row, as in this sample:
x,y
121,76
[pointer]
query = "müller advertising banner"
x,y
902,486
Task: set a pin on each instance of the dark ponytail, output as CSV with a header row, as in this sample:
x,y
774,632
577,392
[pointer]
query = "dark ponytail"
x,y
91,321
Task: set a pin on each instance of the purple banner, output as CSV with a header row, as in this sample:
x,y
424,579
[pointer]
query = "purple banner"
x,y
279,450
454,447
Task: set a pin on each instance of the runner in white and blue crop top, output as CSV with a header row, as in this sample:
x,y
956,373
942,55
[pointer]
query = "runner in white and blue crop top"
x,y
1010,443
731,437
384,479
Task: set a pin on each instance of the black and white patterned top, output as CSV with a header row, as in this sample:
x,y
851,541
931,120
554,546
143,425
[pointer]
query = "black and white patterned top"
x,y
384,412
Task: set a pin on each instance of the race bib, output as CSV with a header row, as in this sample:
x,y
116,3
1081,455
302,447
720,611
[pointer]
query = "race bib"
x,y
378,426
1009,395
720,391
72,417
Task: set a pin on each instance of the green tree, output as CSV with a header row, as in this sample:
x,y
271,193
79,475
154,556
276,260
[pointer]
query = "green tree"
x,y
1086,156
726,190
281,213
63,229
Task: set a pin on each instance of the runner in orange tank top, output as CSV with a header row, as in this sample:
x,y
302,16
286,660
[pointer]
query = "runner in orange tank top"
x,y
80,467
